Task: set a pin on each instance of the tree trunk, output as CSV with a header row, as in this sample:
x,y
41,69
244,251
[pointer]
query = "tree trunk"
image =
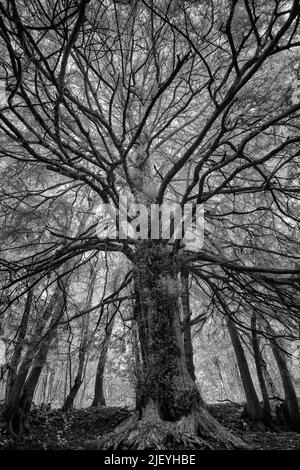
x,y
21,417
44,388
171,413
253,408
50,385
271,387
187,331
266,412
291,406
99,399
69,402
216,362
258,365
14,362
12,400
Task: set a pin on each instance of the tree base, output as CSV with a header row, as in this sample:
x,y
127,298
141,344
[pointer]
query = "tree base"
x,y
199,430
264,422
285,420
16,421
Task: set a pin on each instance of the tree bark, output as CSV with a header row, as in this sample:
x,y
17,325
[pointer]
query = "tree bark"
x,y
266,411
14,362
271,387
21,416
187,331
258,365
69,401
253,408
291,406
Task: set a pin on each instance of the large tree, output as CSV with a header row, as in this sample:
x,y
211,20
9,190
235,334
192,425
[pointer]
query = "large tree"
x,y
158,101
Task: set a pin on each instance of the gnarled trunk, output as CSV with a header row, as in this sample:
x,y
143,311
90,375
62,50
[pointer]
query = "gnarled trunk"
x,y
171,413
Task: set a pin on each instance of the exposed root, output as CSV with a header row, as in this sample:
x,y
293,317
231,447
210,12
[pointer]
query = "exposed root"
x,y
198,430
209,428
140,434
264,423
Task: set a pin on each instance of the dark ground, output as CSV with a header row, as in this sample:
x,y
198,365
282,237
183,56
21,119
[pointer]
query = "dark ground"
x,y
79,429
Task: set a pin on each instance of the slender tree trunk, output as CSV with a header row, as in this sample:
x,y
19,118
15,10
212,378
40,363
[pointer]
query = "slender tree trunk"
x,y
99,398
171,412
51,381
14,362
69,402
266,412
291,406
271,387
253,408
217,364
136,352
237,379
258,365
83,390
187,331
44,388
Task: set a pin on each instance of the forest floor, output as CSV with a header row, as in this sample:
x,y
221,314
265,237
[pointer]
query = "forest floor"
x,y
79,429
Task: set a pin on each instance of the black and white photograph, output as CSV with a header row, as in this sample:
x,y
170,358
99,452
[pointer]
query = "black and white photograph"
x,y
149,229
